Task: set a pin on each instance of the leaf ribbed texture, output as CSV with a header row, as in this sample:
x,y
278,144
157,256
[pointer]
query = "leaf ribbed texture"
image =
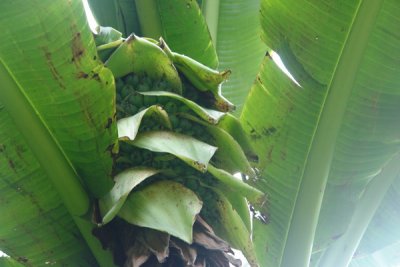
x,y
35,226
328,138
49,67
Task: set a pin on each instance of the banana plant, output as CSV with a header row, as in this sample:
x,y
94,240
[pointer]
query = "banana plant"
x,y
323,146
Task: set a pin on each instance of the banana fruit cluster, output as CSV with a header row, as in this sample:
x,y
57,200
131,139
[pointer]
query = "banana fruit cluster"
x,y
179,149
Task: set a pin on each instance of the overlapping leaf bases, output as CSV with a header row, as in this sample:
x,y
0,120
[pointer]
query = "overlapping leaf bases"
x,y
175,192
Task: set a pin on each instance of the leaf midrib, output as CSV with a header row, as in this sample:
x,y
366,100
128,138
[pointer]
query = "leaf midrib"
x,y
305,214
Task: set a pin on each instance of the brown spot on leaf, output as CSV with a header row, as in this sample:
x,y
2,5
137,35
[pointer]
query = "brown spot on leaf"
x,y
95,76
92,75
259,79
77,46
82,75
269,131
22,259
54,72
19,149
12,165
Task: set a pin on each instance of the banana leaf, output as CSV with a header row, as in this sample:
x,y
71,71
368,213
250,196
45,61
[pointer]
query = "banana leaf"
x,y
57,132
235,29
210,115
125,181
129,127
321,144
154,208
118,14
9,262
192,151
179,22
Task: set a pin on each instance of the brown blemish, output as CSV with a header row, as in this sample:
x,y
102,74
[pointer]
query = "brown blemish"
x,y
56,75
77,46
12,165
255,136
82,75
95,76
92,75
269,131
19,149
259,79
22,259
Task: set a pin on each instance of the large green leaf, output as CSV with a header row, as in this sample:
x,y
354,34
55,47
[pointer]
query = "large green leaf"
x,y
210,115
35,226
57,132
128,127
125,181
63,80
153,207
179,22
185,30
230,226
9,262
321,144
194,152
119,14
235,29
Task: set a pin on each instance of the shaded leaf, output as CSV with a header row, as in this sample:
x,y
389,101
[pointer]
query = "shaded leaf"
x,y
129,127
185,30
119,14
209,115
139,55
228,225
157,242
9,262
57,130
125,181
239,47
236,185
194,152
229,155
153,207
233,126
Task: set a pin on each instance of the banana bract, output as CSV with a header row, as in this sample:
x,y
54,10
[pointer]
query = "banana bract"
x,y
178,152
